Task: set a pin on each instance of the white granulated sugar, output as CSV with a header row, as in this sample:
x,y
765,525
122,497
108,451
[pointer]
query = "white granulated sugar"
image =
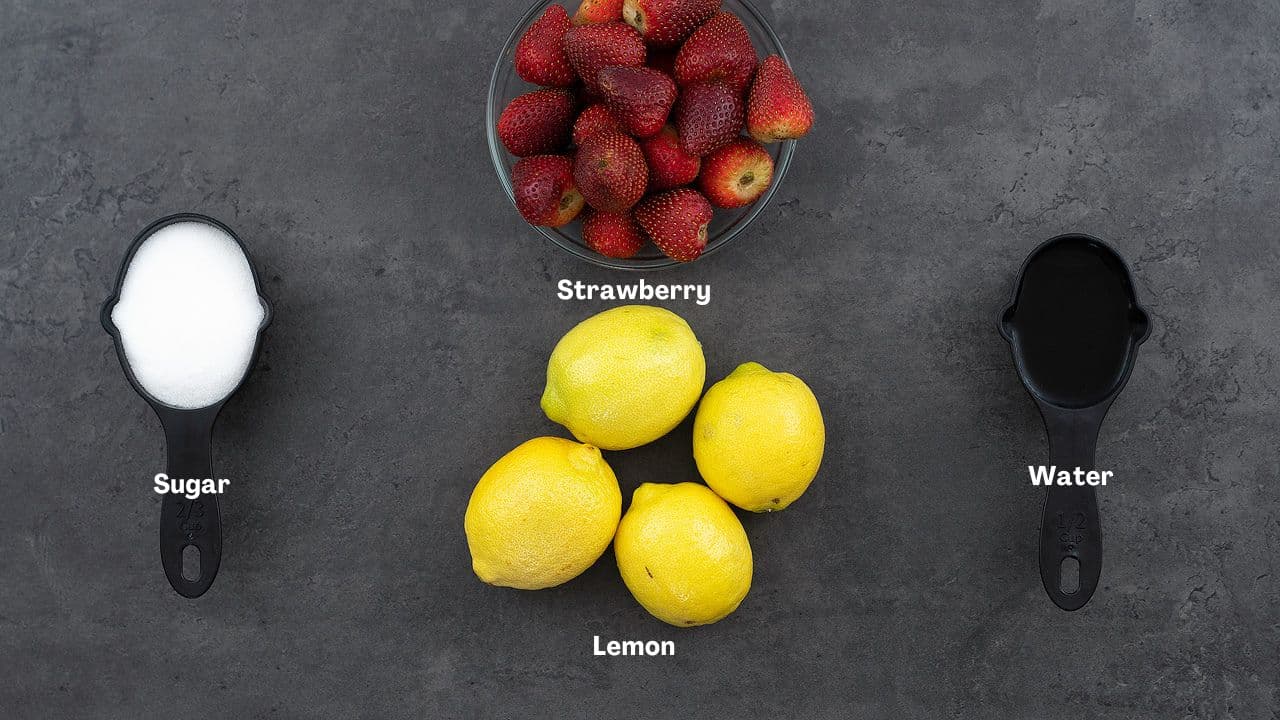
x,y
188,314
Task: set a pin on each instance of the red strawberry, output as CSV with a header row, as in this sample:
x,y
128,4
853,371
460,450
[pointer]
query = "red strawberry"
x,y
598,11
614,235
676,221
669,166
665,23
596,118
537,122
708,116
592,48
539,56
736,174
610,171
720,50
545,191
778,109
640,98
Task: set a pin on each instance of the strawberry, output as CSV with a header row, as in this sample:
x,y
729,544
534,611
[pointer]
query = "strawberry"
x,y
598,11
720,50
537,122
614,235
664,23
591,48
676,221
708,116
736,174
669,166
539,56
596,118
544,190
777,109
610,171
640,98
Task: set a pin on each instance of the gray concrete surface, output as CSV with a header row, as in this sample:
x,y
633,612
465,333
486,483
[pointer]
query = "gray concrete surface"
x,y
415,311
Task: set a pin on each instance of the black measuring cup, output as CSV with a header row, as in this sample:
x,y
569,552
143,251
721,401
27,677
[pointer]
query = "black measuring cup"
x,y
186,523
1074,326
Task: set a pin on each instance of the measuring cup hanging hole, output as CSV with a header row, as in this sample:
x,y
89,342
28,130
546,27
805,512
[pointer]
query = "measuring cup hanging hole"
x,y
1069,575
190,563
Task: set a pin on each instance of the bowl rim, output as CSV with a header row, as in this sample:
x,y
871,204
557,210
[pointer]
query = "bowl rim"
x,y
497,154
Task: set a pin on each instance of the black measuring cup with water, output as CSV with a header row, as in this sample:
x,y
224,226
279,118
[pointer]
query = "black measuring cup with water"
x,y
190,529
1074,326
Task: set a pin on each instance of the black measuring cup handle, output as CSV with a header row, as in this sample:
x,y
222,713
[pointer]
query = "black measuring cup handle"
x,y
188,522
1069,527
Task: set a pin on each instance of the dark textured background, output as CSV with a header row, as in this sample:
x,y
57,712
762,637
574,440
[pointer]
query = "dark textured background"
x,y
414,314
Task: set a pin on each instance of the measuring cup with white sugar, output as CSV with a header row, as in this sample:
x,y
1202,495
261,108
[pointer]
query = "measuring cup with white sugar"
x,y
187,318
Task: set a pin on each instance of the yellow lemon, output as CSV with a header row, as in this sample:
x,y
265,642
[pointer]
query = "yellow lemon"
x,y
758,438
683,554
624,377
542,514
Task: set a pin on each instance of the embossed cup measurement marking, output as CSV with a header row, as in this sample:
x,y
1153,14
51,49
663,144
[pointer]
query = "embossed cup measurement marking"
x,y
189,514
1071,527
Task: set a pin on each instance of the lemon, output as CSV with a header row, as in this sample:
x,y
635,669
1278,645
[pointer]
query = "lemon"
x,y
683,554
758,438
624,377
542,514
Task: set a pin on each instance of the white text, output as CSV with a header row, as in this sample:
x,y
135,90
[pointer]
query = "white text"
x,y
190,488
1046,475
643,290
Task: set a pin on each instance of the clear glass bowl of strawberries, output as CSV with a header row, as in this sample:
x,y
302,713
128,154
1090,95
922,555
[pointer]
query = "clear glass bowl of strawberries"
x,y
641,134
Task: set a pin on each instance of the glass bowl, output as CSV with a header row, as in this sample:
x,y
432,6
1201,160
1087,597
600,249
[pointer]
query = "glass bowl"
x,y
505,85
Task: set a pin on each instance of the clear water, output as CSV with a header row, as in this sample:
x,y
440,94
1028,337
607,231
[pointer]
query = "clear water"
x,y
1072,323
